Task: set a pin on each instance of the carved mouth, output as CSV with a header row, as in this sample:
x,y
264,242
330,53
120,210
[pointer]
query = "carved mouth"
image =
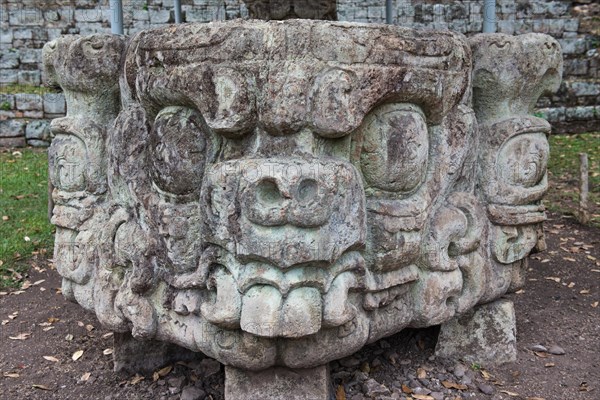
x,y
266,301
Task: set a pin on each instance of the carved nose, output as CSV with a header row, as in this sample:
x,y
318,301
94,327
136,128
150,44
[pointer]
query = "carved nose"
x,y
301,202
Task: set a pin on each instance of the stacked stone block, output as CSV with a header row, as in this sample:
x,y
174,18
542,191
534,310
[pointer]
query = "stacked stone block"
x,y
25,25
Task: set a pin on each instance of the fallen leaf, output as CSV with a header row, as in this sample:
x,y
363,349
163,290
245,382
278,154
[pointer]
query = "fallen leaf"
x,y
569,259
452,385
85,377
549,365
591,258
406,389
136,379
553,278
585,291
38,282
42,387
50,358
11,375
534,398
422,397
511,394
21,336
155,376
53,320
165,371
69,337
571,285
77,355
486,375
107,352
545,260
421,373
340,393
107,335
595,304
89,328
5,218
540,354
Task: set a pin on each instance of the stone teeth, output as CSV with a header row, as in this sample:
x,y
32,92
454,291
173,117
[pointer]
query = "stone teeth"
x,y
225,310
301,313
266,313
260,311
337,310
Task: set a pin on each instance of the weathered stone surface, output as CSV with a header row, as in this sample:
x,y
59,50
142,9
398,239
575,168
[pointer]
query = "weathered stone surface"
x,y
38,130
12,128
486,335
286,9
278,194
278,384
13,141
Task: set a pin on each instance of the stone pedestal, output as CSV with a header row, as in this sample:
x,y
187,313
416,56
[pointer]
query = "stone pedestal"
x,y
278,384
485,335
145,356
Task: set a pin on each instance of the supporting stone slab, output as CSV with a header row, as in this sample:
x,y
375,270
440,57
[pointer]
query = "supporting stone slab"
x,y
486,335
278,384
145,356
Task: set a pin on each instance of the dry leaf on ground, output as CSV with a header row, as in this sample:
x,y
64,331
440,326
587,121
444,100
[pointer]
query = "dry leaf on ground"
x,y
77,355
453,385
20,336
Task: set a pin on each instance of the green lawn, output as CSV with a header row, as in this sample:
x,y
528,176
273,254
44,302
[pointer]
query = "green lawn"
x,y
563,196
24,226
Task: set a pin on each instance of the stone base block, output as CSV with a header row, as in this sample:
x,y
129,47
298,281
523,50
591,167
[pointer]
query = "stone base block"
x,y
13,142
278,384
145,356
486,335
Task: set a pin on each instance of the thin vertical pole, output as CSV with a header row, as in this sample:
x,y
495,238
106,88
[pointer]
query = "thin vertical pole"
x,y
388,12
489,16
116,22
178,17
584,189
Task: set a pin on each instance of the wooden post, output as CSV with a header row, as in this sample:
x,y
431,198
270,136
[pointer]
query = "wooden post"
x,y
584,212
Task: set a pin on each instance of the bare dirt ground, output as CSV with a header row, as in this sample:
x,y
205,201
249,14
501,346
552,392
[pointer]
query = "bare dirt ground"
x,y
42,336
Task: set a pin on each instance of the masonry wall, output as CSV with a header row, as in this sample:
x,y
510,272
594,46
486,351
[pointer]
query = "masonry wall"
x,y
26,25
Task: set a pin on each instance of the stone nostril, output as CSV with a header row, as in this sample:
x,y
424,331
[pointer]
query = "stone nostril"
x,y
307,191
268,193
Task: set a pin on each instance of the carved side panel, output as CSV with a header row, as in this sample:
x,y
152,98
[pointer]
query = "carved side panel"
x,y
514,147
87,70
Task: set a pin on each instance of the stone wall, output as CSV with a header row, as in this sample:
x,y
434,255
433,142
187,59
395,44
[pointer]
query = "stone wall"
x,y
25,25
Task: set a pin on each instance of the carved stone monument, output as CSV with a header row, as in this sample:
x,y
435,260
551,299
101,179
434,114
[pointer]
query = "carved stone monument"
x,y
276,195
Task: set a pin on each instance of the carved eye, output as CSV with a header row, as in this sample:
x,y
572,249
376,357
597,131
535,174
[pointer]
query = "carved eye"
x,y
523,160
395,148
179,150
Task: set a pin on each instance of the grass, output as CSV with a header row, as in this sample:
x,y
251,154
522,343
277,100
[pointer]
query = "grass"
x,y
563,196
24,227
26,89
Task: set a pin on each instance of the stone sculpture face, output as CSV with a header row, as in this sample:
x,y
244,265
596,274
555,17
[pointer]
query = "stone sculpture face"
x,y
282,193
